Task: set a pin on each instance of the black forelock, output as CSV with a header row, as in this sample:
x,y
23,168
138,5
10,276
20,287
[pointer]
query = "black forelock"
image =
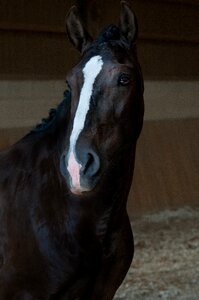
x,y
110,33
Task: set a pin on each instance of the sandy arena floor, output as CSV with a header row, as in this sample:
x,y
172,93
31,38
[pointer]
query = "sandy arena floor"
x,y
166,260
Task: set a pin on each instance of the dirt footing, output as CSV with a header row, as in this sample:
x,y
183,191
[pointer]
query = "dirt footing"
x,y
166,260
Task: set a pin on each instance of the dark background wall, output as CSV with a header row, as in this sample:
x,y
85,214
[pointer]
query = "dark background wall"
x,y
33,42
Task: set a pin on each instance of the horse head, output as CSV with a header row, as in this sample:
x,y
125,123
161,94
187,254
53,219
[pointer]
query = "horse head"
x,y
106,102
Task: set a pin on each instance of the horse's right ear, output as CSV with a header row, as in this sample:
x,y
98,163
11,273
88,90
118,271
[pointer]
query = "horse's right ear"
x,y
76,31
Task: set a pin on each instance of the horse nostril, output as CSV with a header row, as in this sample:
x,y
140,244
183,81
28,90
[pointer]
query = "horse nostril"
x,y
91,165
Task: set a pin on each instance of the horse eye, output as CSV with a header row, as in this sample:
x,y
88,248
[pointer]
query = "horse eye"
x,y
124,79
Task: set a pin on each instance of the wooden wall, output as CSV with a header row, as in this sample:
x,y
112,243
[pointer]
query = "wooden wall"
x,y
167,166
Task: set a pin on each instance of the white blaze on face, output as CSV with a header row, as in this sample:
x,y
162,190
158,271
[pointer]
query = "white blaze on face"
x,y
90,72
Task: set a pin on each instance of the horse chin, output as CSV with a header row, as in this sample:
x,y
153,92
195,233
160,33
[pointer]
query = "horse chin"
x,y
80,190
85,188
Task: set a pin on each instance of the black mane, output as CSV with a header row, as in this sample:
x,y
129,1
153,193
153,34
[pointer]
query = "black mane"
x,y
53,113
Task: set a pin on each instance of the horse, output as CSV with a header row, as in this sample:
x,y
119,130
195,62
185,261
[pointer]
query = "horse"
x,y
64,229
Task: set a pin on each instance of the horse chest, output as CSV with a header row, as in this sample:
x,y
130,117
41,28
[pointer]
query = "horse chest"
x,y
48,257
70,255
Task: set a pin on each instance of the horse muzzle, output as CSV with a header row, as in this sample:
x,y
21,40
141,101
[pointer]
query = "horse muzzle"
x,y
81,170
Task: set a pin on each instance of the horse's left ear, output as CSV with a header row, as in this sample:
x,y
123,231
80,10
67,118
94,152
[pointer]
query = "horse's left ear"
x,y
77,33
128,23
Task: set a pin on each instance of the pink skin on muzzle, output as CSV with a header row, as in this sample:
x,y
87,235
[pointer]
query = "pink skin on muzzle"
x,y
74,170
